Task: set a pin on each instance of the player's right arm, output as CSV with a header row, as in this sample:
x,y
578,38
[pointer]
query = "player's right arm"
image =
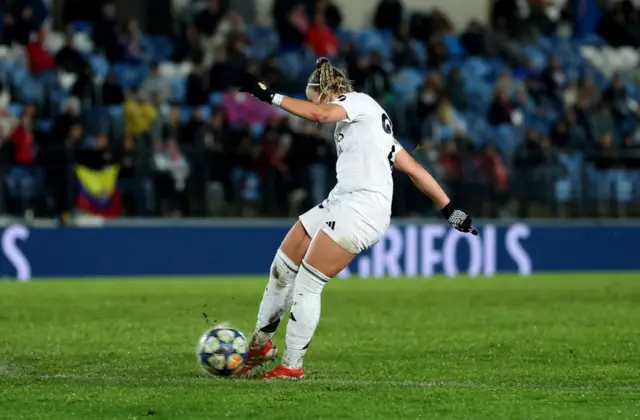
x,y
422,179
303,109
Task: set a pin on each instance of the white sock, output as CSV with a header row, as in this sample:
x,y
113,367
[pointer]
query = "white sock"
x,y
276,300
305,314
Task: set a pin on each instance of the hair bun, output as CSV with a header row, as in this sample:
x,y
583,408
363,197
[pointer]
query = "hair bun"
x,y
320,61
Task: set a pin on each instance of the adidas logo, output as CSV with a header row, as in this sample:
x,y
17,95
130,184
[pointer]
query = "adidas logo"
x,y
332,225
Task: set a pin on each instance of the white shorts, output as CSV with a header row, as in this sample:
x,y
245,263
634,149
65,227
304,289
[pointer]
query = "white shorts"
x,y
356,222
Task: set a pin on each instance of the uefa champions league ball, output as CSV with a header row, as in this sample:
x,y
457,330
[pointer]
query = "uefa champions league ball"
x,y
222,351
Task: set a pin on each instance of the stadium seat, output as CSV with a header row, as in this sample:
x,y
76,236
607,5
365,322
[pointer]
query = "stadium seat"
x,y
215,98
406,84
83,26
15,109
454,47
162,48
100,66
178,89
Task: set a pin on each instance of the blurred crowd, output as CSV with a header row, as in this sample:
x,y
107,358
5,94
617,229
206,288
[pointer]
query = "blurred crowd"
x,y
500,124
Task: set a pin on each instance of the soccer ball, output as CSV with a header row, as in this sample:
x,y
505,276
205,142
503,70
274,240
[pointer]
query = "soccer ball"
x,y
222,351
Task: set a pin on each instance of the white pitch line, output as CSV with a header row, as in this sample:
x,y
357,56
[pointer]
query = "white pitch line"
x,y
357,382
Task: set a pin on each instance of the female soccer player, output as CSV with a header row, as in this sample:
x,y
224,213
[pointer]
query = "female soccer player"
x,y
352,219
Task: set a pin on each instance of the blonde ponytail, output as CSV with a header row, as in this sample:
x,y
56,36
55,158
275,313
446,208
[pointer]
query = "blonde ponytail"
x,y
328,80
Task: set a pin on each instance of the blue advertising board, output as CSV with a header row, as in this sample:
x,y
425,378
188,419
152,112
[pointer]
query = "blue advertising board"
x,y
406,250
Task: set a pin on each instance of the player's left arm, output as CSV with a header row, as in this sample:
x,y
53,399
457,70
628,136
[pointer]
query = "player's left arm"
x,y
423,180
297,107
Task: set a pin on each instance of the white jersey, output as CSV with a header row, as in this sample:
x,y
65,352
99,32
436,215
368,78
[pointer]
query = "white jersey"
x,y
366,148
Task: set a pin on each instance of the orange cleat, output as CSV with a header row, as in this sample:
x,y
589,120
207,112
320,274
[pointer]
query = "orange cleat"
x,y
258,357
283,372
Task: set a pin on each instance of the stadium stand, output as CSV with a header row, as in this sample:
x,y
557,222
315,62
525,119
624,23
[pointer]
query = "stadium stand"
x,y
518,119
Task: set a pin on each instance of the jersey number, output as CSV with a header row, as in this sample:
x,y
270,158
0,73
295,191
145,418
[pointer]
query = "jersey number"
x,y
386,124
388,128
392,155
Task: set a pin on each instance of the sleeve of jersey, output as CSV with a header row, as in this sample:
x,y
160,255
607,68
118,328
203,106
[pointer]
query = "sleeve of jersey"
x,y
350,104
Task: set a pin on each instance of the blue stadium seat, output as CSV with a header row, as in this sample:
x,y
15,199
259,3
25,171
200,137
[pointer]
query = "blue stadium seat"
x,y
215,98
454,47
15,109
178,89
84,26
130,76
536,57
32,91
290,63
162,48
257,129
100,65
406,84
563,190
44,125
18,75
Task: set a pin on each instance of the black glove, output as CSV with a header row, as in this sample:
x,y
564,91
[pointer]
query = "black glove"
x,y
256,88
458,219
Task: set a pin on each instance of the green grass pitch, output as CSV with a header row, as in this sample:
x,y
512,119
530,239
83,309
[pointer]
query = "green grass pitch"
x,y
543,347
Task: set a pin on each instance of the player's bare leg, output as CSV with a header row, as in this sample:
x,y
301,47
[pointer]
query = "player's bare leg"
x,y
324,260
276,300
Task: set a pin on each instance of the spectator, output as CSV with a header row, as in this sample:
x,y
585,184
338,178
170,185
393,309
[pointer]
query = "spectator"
x,y
63,122
127,178
192,130
388,15
607,155
502,110
173,126
376,80
24,25
7,121
356,65
497,177
197,87
172,174
221,73
455,90
7,34
105,34
134,41
321,39
84,88
207,20
189,46
112,93
473,39
567,134
235,53
139,114
437,53
39,59
155,83
446,125
429,96
554,81
601,123
589,91
291,22
402,48
616,97
69,59
23,142
329,10
216,137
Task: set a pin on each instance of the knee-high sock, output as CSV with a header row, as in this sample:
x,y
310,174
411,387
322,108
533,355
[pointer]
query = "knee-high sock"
x,y
276,300
305,314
